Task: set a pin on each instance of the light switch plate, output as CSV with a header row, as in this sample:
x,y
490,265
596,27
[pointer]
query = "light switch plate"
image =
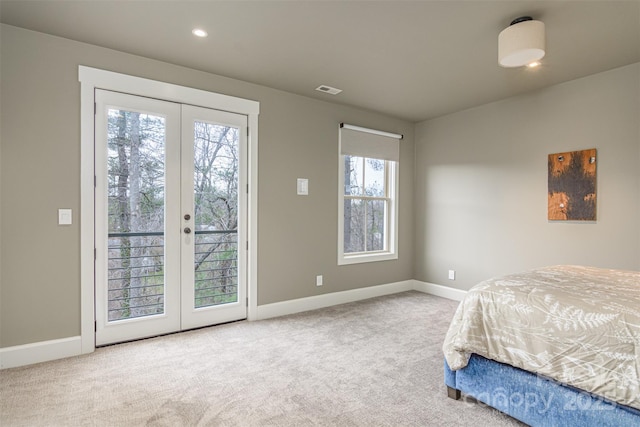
x,y
303,187
65,217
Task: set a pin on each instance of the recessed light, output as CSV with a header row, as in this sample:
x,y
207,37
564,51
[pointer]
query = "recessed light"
x,y
198,32
534,64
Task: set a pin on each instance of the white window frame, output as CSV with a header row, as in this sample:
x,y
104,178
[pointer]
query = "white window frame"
x,y
391,219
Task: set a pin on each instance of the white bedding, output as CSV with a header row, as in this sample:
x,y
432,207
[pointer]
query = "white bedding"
x,y
577,325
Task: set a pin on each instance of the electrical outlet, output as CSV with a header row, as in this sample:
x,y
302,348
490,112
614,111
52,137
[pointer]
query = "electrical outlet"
x,y
319,280
452,275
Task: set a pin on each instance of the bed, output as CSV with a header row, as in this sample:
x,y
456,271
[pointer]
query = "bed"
x,y
554,346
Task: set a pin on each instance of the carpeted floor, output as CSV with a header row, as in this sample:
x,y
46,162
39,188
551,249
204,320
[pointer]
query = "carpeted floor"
x,y
376,362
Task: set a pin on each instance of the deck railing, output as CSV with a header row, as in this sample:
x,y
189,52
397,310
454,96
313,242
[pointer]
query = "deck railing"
x,y
136,272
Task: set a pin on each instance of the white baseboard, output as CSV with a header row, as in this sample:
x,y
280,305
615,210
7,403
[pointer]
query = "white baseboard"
x,y
326,300
11,357
44,351
439,290
284,308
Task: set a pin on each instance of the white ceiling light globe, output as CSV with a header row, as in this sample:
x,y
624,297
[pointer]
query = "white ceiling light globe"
x,y
522,43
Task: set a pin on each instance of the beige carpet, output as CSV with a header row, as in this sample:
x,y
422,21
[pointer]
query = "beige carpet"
x,y
372,363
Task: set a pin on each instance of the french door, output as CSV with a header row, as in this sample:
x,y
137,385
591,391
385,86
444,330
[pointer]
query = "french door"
x,y
170,217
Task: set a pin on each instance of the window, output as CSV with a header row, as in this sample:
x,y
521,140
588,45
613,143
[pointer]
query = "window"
x,y
368,188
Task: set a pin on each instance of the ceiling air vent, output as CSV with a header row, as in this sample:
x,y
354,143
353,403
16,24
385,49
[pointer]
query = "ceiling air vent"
x,y
328,89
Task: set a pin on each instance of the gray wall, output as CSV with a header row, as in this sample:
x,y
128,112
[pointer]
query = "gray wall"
x,y
481,182
40,172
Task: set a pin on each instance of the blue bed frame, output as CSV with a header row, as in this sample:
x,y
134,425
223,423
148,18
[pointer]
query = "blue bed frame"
x,y
533,399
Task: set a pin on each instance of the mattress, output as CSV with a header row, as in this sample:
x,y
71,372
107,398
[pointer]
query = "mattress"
x,y
579,326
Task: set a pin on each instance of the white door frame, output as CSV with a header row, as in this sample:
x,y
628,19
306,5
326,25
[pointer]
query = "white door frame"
x,y
92,78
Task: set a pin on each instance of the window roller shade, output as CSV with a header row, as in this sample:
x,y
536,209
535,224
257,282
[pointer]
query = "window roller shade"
x,y
369,143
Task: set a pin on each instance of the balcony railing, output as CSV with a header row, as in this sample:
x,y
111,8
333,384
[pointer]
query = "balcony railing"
x,y
136,272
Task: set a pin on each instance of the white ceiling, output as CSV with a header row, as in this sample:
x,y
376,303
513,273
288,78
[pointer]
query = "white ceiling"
x,y
410,59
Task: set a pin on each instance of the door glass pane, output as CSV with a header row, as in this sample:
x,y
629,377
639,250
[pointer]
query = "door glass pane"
x,y
136,187
216,214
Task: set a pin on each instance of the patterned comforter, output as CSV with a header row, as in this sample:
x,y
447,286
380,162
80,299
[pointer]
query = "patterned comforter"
x,y
577,325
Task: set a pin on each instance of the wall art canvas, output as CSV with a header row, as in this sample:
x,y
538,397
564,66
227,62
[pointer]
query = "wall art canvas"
x,y
572,186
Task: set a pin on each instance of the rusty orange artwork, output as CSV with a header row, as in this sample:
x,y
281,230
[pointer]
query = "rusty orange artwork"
x,y
572,186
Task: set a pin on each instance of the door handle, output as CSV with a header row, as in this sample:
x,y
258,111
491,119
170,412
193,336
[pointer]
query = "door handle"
x,y
187,217
187,230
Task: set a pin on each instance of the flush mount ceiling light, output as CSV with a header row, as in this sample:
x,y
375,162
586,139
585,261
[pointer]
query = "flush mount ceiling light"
x,y
521,43
198,32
